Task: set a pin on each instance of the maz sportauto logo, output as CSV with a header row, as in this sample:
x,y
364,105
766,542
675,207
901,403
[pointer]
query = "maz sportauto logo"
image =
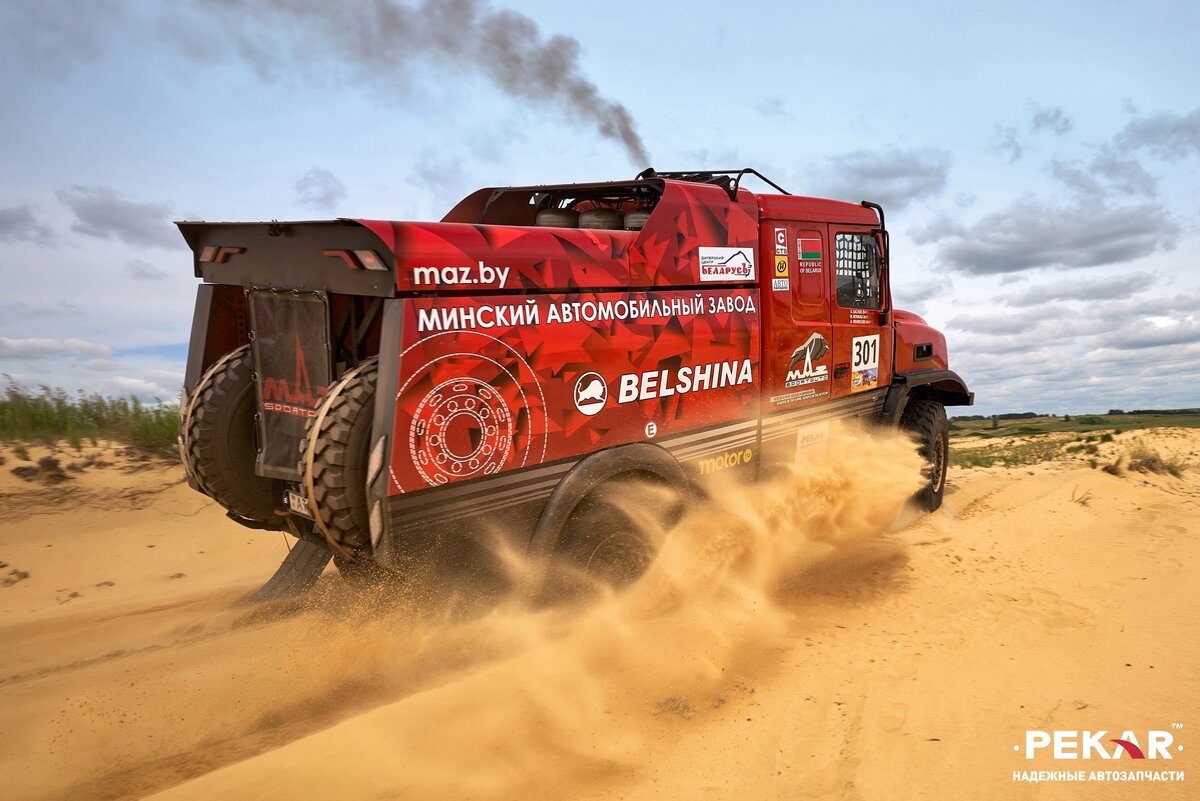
x,y
802,368
1079,744
299,398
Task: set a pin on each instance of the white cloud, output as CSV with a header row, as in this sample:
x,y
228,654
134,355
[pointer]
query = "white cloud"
x,y
35,348
320,189
102,212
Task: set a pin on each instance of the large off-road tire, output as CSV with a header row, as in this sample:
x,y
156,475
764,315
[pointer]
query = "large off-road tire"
x,y
219,440
926,421
333,458
611,537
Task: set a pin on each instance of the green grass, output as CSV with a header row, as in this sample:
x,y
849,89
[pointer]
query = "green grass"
x,y
52,416
1033,426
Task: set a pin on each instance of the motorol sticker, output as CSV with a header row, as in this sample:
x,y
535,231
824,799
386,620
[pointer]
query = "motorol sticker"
x,y
864,363
780,241
726,264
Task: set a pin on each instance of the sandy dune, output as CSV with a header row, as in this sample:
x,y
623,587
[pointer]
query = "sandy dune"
x,y
806,639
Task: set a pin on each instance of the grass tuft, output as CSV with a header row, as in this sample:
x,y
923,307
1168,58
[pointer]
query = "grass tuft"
x,y
1145,459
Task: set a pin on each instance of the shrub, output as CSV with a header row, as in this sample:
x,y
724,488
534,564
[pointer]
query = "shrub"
x,y
52,415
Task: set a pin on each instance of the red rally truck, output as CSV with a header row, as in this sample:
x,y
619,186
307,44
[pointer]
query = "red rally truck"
x,y
395,391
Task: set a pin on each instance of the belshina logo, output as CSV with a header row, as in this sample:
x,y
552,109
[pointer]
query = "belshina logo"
x,y
726,264
1082,745
591,393
813,350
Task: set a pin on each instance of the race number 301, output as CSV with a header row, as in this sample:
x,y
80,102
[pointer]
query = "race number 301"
x,y
864,352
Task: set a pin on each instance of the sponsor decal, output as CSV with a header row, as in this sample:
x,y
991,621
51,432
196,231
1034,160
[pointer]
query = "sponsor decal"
x,y
864,363
591,393
691,378
726,264
779,282
804,394
809,248
781,242
479,274
802,367
725,461
458,315
809,438
1078,745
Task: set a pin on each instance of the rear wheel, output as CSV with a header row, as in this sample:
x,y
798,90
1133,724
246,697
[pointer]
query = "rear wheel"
x,y
926,421
611,536
333,458
219,440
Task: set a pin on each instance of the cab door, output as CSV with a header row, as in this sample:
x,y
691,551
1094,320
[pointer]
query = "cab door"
x,y
797,350
860,310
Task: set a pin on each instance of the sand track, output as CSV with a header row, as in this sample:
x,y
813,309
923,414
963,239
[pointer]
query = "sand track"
x,y
903,664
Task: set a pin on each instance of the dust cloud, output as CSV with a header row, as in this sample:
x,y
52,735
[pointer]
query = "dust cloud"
x,y
520,702
354,693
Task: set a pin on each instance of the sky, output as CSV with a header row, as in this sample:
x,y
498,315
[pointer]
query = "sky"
x,y
1038,162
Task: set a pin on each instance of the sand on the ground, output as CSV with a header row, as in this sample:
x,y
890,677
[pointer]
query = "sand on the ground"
x,y
809,638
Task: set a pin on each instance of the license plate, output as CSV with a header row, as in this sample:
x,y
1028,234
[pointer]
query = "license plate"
x,y
298,504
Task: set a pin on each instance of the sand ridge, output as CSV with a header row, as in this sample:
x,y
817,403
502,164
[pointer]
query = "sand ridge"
x,y
882,654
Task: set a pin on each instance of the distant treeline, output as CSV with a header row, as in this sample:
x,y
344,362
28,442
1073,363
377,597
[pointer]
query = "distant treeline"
x,y
1006,416
965,418
1154,411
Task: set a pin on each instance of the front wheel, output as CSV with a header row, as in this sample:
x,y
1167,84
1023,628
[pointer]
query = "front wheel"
x,y
926,421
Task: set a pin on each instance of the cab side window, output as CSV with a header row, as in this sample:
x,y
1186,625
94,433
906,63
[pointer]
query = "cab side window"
x,y
857,269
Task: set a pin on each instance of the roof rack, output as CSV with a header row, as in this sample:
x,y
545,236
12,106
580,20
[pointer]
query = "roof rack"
x,y
719,177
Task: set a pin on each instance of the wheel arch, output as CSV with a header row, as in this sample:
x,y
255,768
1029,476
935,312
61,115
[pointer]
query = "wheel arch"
x,y
942,386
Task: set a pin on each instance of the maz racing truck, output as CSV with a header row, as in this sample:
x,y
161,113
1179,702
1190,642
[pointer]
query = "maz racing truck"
x,y
401,393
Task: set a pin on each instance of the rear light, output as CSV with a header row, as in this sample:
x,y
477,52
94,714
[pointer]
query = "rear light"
x,y
376,523
358,259
375,463
370,260
213,254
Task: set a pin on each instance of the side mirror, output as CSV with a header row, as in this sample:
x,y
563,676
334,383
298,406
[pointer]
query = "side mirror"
x,y
883,317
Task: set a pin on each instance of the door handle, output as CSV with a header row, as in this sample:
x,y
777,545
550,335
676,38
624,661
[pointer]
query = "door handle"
x,y
841,370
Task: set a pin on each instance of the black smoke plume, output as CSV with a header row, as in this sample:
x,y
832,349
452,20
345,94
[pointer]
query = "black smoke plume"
x,y
379,38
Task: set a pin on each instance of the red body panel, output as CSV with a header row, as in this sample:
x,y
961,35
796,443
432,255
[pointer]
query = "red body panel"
x,y
691,222
911,331
496,384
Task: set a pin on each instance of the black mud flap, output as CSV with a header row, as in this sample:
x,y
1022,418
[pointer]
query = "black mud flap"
x,y
290,343
305,563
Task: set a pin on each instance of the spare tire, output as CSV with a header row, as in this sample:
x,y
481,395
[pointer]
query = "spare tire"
x,y
333,458
219,441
